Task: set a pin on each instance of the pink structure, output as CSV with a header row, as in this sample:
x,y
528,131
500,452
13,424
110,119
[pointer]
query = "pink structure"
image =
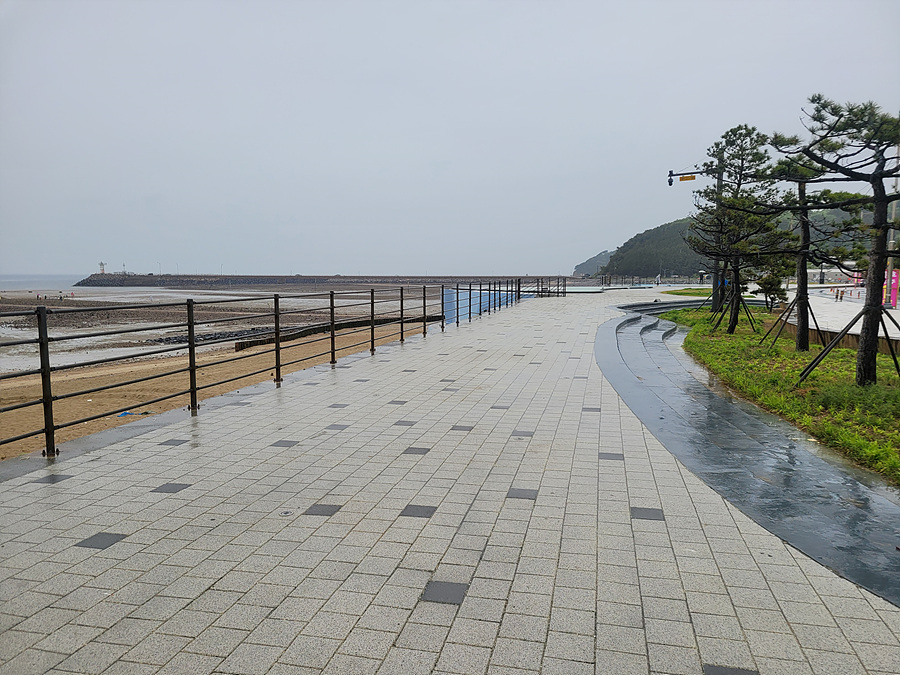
x,y
894,283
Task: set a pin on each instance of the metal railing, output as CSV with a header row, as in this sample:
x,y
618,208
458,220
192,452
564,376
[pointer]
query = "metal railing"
x,y
326,324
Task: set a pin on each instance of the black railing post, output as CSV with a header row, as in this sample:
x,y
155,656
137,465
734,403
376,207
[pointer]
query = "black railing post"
x,y
470,302
333,350
424,311
372,315
401,314
46,386
457,304
490,293
277,342
480,301
192,357
442,308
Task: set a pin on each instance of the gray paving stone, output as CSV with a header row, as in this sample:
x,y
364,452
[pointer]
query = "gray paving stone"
x,y
52,478
417,511
101,540
231,576
445,592
322,510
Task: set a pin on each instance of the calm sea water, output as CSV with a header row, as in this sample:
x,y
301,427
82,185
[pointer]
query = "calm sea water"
x,y
43,283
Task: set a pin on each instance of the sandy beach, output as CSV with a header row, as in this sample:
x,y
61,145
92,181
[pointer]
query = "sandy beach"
x,y
309,351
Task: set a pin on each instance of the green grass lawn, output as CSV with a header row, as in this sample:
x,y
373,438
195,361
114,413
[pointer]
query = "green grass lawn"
x,y
692,292
861,422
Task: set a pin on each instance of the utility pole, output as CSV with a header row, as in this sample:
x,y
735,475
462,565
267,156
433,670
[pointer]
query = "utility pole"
x,y
717,292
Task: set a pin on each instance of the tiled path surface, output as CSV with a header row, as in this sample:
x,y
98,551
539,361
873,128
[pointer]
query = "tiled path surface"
x,y
477,502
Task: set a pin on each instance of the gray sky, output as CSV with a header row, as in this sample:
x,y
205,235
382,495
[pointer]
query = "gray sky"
x,y
373,137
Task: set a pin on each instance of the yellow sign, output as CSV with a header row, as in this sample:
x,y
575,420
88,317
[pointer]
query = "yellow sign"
x,y
687,177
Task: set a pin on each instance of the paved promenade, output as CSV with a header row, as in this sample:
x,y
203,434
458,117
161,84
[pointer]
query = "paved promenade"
x,y
480,501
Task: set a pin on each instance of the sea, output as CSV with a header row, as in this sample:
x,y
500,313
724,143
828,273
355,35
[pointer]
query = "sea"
x,y
39,283
19,357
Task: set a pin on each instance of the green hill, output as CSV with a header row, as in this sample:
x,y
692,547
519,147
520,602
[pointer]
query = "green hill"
x,y
592,266
658,251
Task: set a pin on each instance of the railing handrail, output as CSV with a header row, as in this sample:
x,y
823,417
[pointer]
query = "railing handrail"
x,y
490,296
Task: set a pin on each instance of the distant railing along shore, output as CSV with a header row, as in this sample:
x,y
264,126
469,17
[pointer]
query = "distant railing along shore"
x,y
327,324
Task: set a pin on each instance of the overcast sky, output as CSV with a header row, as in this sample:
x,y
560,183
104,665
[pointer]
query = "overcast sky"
x,y
372,137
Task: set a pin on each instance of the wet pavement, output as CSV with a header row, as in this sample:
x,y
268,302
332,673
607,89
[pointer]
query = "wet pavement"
x,y
759,463
479,501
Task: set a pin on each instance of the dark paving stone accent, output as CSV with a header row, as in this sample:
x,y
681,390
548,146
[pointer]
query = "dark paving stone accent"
x,y
618,456
590,410
521,493
171,488
449,389
461,427
641,513
414,511
174,441
52,478
519,354
446,592
499,407
397,402
408,371
416,451
490,369
524,434
311,384
322,510
404,423
339,405
481,350
534,363
444,354
337,427
574,357
726,670
580,377
101,540
447,380
365,379
284,444
241,403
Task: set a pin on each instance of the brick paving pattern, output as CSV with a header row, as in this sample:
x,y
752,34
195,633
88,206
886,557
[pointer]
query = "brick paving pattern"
x,y
521,521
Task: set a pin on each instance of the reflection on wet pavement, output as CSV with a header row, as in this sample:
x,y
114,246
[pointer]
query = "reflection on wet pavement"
x,y
840,516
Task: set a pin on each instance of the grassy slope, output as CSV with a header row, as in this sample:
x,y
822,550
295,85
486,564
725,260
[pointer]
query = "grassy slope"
x,y
861,422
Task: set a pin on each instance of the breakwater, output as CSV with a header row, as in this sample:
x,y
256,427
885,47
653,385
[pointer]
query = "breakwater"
x,y
297,282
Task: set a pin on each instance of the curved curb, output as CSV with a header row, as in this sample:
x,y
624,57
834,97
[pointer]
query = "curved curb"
x,y
754,460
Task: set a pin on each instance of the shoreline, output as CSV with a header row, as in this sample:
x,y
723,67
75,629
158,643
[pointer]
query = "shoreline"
x,y
28,388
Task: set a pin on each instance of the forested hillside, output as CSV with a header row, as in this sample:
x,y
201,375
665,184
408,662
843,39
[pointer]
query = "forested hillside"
x,y
658,251
592,266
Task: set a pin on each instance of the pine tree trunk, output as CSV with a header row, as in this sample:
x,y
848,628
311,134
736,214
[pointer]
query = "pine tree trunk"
x,y
735,309
801,341
867,353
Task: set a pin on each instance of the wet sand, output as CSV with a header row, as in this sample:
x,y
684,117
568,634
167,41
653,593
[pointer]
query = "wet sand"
x,y
28,388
